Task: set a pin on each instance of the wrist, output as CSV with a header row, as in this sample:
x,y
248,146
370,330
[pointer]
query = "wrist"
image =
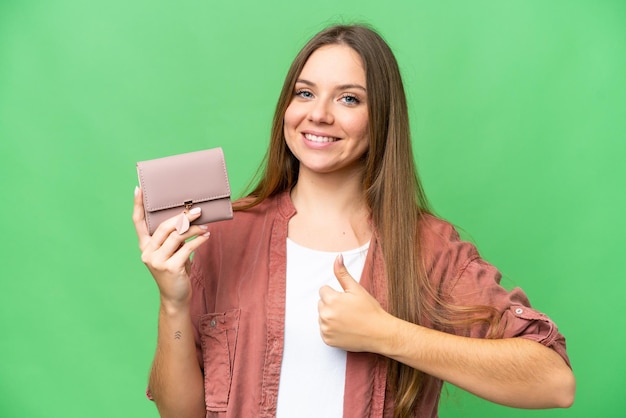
x,y
387,339
174,308
399,335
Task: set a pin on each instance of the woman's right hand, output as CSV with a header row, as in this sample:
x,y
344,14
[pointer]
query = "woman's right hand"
x,y
167,253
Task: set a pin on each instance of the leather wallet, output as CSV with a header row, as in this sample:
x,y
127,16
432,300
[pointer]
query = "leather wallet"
x,y
177,183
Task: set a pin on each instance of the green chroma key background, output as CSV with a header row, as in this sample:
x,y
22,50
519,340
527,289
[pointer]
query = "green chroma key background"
x,y
518,113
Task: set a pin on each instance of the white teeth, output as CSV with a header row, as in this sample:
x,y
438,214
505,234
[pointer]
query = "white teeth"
x,y
316,138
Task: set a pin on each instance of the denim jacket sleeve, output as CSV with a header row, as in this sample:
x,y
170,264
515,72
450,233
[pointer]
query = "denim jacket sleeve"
x,y
463,278
479,284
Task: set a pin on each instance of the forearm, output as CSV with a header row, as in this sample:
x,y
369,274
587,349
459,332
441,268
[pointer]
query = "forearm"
x,y
176,381
515,372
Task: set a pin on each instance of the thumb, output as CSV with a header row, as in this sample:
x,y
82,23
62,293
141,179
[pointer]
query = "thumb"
x,y
346,281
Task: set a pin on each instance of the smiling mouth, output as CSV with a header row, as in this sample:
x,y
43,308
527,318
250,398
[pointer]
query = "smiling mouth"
x,y
315,138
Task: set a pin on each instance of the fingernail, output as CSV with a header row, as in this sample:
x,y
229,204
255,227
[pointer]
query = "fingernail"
x,y
136,190
195,211
206,234
340,259
204,227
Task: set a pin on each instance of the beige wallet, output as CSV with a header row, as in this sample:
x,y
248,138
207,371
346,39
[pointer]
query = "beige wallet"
x,y
173,184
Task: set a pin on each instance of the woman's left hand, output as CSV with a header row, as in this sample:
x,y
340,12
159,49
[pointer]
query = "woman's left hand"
x,y
351,320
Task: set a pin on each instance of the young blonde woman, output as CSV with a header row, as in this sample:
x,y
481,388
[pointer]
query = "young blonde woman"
x,y
334,292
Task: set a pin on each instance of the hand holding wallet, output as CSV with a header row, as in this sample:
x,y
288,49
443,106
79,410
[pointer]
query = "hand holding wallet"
x,y
178,183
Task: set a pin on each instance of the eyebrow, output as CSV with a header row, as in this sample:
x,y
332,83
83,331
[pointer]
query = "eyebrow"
x,y
340,87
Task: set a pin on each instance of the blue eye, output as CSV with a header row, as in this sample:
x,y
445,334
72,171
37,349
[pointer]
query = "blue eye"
x,y
305,94
350,99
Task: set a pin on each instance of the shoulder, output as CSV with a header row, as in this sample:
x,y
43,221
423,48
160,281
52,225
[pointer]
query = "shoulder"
x,y
444,253
434,228
438,235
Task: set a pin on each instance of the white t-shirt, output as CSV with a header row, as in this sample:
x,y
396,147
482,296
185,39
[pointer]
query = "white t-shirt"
x,y
312,374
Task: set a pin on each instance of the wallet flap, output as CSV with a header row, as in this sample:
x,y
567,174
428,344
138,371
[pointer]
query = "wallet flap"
x,y
171,181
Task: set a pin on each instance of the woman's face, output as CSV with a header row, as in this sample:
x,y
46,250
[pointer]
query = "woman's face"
x,y
326,123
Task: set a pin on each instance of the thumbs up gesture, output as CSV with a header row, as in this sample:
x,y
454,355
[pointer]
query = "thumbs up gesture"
x,y
351,320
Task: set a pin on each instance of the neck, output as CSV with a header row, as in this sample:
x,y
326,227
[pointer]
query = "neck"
x,y
332,214
336,193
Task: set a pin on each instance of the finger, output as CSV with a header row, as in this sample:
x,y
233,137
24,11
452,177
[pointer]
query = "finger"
x,y
139,219
175,241
344,278
166,227
326,292
181,257
323,307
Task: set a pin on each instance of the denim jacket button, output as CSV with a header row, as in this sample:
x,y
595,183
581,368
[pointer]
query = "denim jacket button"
x,y
519,311
213,323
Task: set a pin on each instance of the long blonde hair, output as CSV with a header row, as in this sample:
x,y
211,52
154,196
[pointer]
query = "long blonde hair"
x,y
391,187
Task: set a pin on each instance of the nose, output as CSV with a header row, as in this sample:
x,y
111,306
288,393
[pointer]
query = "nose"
x,y
321,112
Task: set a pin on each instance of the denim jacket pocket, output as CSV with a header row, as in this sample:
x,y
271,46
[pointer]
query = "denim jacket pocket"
x,y
218,336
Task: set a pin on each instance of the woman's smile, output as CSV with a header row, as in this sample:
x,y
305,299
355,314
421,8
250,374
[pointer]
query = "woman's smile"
x,y
326,122
317,138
